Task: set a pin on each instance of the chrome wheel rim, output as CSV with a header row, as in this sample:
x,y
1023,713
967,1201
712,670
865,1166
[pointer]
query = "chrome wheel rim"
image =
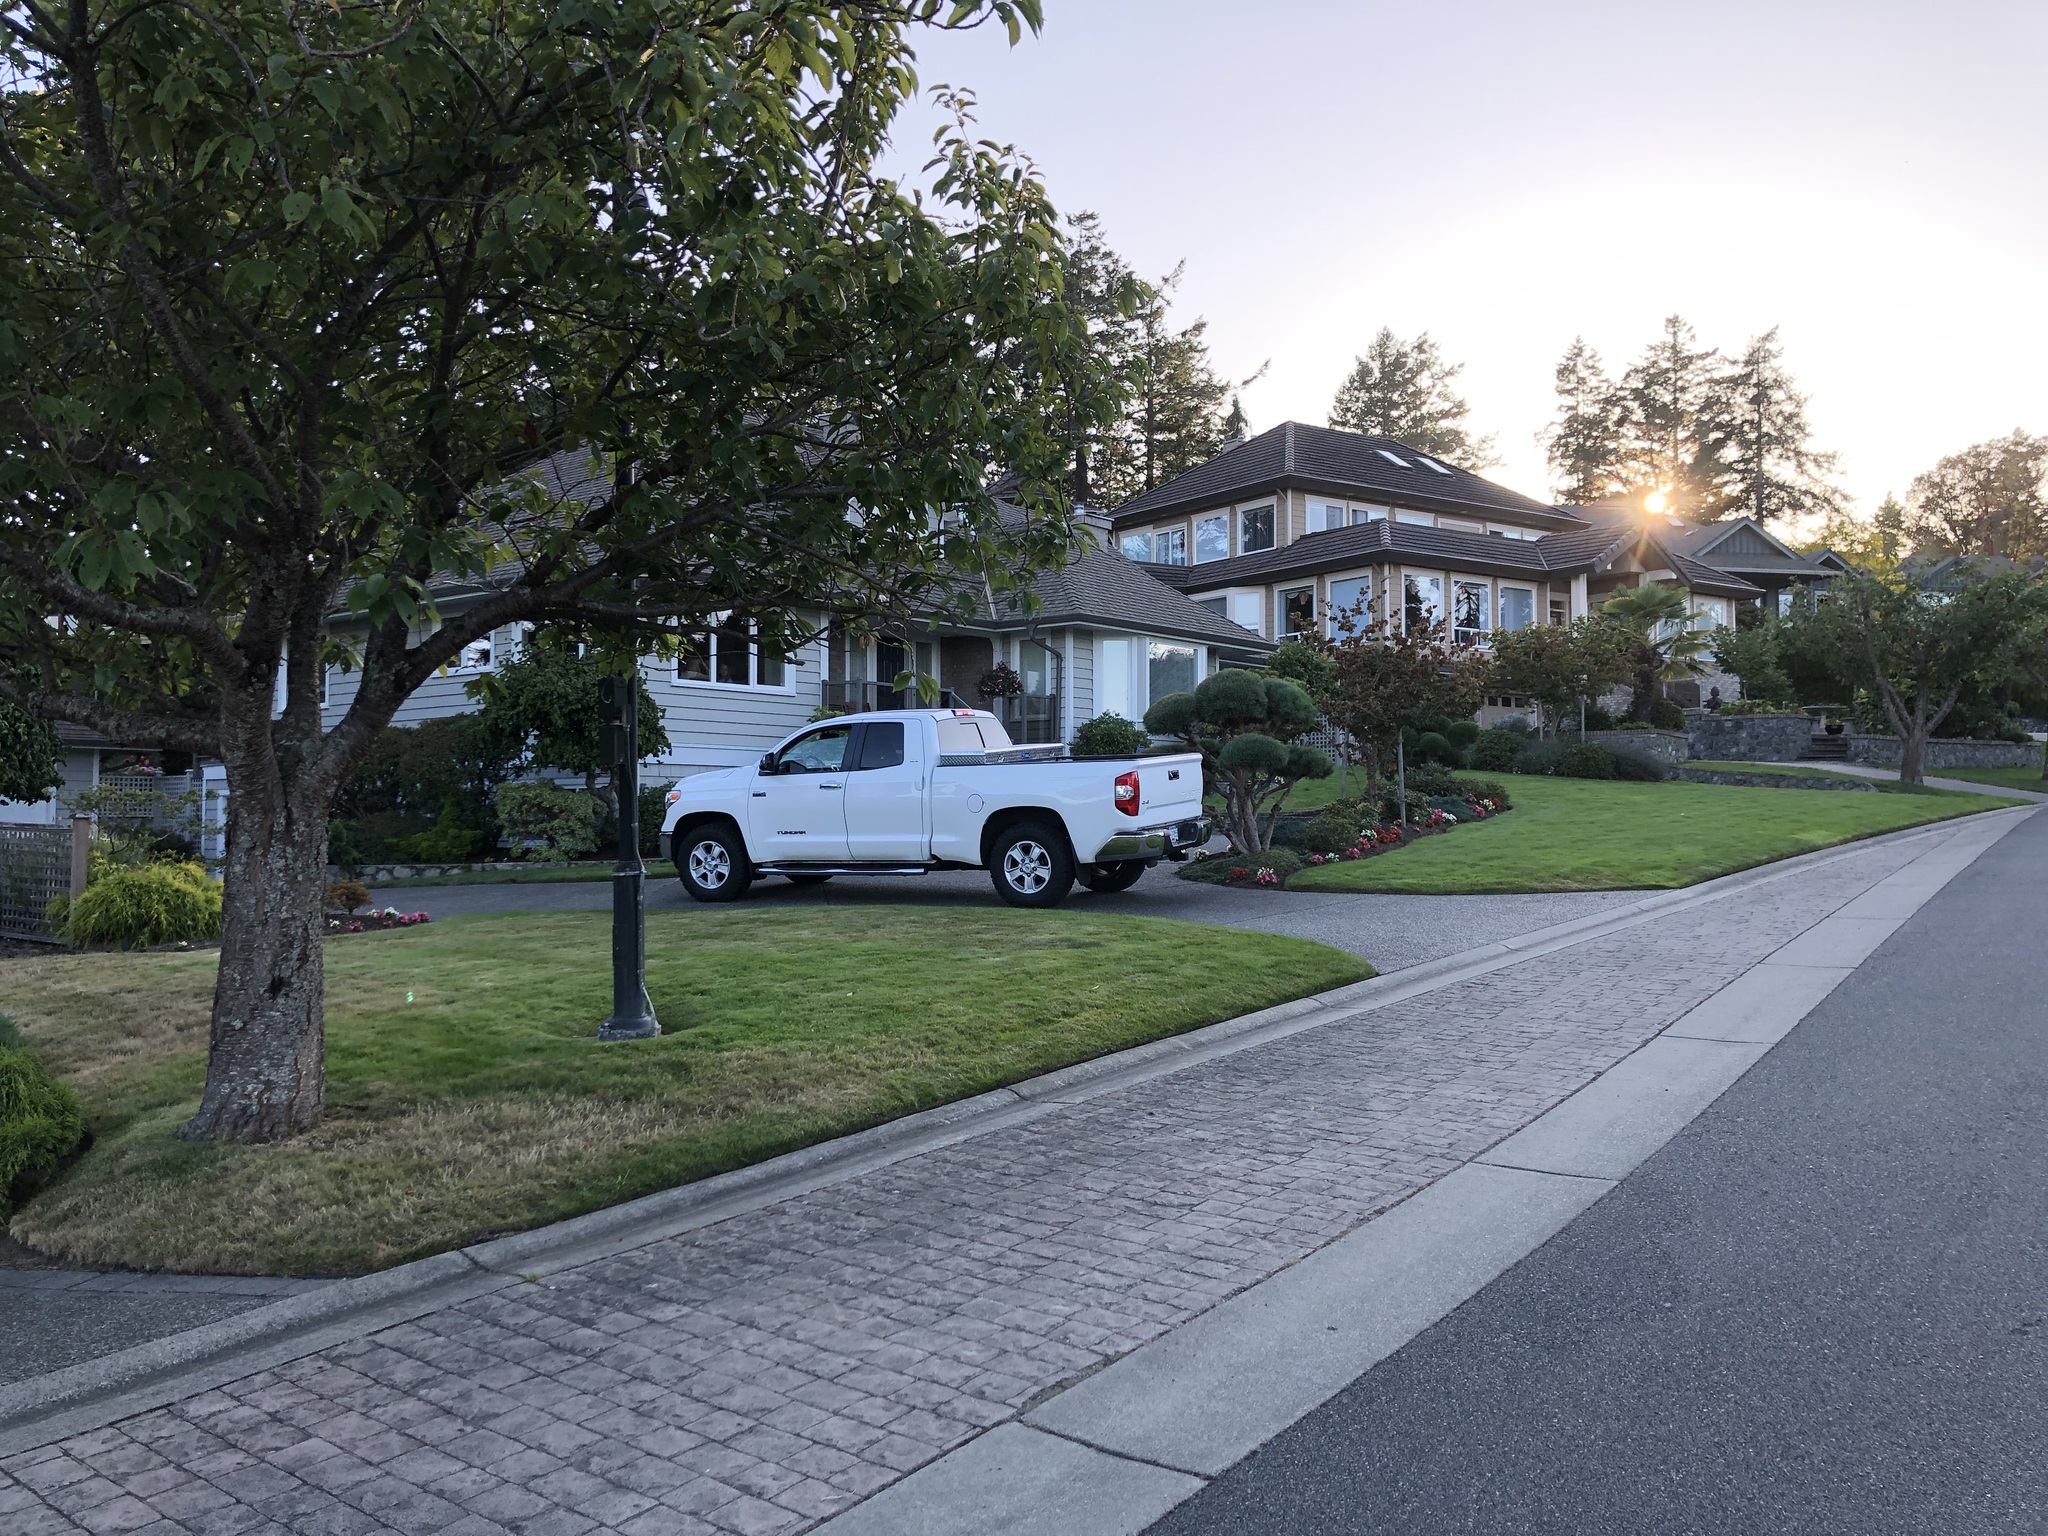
x,y
1028,867
710,865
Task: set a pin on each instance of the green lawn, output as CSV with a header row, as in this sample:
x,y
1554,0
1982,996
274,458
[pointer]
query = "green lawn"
x,y
1593,835
466,1095
1809,771
2003,778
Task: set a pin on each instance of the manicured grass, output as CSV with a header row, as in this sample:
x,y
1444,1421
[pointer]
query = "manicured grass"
x,y
534,874
2004,778
1591,835
467,1096
1807,771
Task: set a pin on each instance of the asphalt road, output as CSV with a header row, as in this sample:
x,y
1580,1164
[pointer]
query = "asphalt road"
x,y
1391,931
1821,1308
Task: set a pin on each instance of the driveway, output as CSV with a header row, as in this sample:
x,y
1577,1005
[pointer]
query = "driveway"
x,y
1393,932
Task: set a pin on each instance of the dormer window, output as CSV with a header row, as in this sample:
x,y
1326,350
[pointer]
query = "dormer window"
x,y
1170,546
1136,546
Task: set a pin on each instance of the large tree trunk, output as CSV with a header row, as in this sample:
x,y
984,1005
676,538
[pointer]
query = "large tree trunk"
x,y
265,1076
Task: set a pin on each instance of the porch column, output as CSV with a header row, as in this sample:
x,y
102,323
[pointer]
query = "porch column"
x,y
1580,605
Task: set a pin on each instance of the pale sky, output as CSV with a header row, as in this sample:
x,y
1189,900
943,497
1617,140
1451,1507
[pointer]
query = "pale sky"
x,y
1868,177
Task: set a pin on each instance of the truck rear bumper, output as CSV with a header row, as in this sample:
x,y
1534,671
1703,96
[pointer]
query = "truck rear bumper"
x,y
1154,842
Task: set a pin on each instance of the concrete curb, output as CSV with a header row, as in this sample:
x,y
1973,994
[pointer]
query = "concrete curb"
x,y
90,1395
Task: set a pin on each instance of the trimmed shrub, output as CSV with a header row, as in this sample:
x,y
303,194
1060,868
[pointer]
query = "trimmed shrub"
x,y
1495,750
1537,757
347,895
563,821
40,1123
1597,719
1516,724
1461,733
345,846
653,812
1426,779
1433,747
446,842
1640,767
153,904
1583,760
1110,736
1330,832
1665,715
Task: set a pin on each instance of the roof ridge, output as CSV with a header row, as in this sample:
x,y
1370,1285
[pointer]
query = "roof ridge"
x,y
1287,462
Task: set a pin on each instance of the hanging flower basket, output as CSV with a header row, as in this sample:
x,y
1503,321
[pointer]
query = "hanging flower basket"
x,y
1000,682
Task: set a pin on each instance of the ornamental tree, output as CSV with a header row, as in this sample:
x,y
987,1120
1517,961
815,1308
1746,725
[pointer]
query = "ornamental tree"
x,y
1916,641
303,308
1660,638
1244,724
1385,678
541,708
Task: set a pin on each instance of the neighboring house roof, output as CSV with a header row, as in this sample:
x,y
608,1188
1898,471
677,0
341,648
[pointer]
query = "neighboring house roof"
x,y
1296,456
1735,547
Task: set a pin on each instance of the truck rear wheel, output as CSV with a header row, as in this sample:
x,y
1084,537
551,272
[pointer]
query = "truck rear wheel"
x,y
1031,866
713,862
1107,879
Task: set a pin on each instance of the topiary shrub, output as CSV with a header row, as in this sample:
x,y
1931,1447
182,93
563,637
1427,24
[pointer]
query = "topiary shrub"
x,y
1514,725
1494,751
1110,736
1334,830
40,1123
563,822
1537,757
1425,779
1434,747
1584,760
1666,715
347,895
1639,767
153,904
1461,733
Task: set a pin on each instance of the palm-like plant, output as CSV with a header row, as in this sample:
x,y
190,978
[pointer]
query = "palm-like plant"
x,y
1667,644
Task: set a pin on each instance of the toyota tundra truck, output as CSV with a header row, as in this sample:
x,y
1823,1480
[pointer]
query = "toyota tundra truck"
x,y
905,792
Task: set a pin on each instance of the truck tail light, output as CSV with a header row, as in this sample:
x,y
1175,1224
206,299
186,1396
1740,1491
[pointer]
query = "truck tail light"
x,y
1127,793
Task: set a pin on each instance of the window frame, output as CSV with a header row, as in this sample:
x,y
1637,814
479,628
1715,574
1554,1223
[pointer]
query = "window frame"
x,y
1212,520
1281,628
1368,584
710,639
1501,606
1272,529
1468,634
1436,577
1179,536
1129,537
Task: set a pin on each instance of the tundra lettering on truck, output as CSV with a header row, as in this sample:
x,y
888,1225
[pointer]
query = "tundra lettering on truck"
x,y
906,792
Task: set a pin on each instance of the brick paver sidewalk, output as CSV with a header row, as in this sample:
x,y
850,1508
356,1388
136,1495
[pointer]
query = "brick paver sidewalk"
x,y
763,1373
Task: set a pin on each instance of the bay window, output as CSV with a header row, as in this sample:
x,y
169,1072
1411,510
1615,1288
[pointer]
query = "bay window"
x,y
1517,607
1422,602
1325,515
1297,610
1170,668
1471,611
733,654
1350,597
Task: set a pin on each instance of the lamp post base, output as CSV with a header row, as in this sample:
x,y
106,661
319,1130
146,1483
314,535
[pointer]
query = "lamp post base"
x,y
646,1027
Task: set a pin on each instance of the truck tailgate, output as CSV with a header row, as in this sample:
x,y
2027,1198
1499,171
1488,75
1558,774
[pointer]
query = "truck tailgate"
x,y
1169,788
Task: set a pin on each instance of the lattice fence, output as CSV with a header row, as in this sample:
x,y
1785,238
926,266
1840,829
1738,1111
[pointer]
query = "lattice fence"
x,y
35,864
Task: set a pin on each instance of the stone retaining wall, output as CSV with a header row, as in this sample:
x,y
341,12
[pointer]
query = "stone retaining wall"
x,y
1667,747
1747,738
1767,780
384,874
1886,751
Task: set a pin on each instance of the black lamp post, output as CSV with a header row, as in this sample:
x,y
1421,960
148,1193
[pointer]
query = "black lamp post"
x,y
632,1013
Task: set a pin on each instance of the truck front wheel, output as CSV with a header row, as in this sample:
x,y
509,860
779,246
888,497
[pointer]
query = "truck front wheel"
x,y
713,862
1031,866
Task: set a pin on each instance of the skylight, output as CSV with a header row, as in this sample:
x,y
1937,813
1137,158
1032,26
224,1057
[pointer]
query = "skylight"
x,y
1392,458
1432,463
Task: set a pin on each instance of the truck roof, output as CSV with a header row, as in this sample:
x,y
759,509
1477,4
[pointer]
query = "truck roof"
x,y
928,714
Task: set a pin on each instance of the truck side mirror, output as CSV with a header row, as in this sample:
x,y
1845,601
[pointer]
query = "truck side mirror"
x,y
767,763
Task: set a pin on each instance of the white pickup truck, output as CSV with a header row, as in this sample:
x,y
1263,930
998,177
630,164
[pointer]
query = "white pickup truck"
x,y
904,792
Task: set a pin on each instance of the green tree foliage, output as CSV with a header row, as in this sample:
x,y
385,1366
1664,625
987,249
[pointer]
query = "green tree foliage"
x,y
1561,666
1757,457
1109,736
31,756
1385,680
1917,643
541,710
1402,389
1244,724
1756,656
1991,500
1586,441
1669,394
298,297
441,771
1114,303
1309,665
561,824
1662,642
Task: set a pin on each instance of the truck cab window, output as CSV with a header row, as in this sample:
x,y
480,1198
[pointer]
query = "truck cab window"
x,y
960,736
821,751
881,744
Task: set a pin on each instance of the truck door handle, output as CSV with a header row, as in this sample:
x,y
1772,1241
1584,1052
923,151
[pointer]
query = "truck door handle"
x,y
831,786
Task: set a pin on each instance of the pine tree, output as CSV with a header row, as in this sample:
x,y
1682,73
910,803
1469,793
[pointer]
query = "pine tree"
x,y
1665,394
1236,425
1987,500
1402,389
1101,286
1756,458
1175,418
1586,443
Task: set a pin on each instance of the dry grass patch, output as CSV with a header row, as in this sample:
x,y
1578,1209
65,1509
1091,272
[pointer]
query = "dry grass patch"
x,y
467,1095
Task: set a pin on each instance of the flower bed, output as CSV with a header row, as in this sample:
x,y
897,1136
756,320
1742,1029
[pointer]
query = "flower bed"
x,y
374,921
1270,870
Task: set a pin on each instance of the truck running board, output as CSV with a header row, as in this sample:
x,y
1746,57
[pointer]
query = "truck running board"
x,y
841,869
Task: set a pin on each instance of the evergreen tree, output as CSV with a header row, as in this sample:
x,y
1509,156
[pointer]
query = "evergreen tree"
x,y
1586,443
1117,305
1986,500
1402,389
1891,529
1665,394
1236,424
1174,418
1756,459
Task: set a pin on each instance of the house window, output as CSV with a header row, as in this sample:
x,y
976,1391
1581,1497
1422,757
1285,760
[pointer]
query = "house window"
x,y
1471,616
1460,525
1137,546
1212,538
1422,518
1254,530
1220,606
1422,601
1368,514
476,656
1557,615
1325,515
1116,680
1517,607
1248,611
732,654
1170,669
1170,546
1350,597
1710,613
1297,611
